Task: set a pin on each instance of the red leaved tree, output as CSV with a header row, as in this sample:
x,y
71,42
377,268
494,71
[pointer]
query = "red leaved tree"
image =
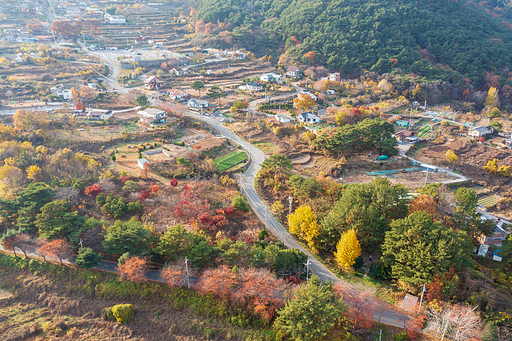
x,y
22,242
155,188
133,269
93,190
9,243
360,305
414,325
125,178
174,182
143,196
220,281
58,248
175,273
263,289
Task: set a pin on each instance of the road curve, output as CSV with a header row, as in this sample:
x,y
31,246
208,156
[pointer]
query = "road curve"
x,y
381,313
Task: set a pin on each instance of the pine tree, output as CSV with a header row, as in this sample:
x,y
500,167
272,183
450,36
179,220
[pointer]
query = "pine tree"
x,y
303,223
314,310
348,249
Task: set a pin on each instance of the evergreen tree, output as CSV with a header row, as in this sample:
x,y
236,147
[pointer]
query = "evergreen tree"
x,y
417,249
30,200
56,219
366,208
87,258
314,310
128,236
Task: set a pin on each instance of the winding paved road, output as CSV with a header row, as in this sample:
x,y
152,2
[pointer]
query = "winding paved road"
x,y
381,313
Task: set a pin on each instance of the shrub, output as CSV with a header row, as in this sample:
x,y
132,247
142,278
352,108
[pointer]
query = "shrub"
x,y
262,234
123,312
93,190
100,200
107,314
130,186
240,203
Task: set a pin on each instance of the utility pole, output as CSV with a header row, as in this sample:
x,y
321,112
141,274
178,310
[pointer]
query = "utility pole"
x,y
307,264
426,177
186,271
421,299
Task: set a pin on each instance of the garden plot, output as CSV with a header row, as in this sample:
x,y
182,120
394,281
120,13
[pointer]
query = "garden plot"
x,y
489,200
230,160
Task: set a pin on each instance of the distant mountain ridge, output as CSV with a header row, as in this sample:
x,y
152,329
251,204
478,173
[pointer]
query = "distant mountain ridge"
x,y
439,39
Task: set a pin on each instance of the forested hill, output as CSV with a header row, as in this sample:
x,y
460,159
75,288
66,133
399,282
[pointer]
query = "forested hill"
x,y
461,35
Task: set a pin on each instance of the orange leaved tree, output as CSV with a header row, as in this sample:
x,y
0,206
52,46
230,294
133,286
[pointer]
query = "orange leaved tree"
x,y
57,248
133,269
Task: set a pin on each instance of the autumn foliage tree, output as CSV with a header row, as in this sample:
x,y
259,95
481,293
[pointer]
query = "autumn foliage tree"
x,y
347,250
57,248
146,169
133,269
303,102
425,203
360,305
304,224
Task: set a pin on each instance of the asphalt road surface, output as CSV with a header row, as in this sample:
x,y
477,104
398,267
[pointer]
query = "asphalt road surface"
x,y
381,313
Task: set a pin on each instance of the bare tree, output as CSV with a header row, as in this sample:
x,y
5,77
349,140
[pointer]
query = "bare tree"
x,y
22,242
458,323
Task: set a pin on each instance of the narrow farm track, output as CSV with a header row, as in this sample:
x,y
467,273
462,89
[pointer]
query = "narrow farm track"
x,y
382,311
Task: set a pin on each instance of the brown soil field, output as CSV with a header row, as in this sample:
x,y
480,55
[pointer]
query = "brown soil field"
x,y
473,157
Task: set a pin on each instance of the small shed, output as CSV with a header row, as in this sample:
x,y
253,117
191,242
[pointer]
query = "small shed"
x,y
141,162
382,158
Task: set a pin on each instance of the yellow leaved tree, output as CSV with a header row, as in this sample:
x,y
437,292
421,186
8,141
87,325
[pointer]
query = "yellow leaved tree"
x,y
304,224
452,157
347,250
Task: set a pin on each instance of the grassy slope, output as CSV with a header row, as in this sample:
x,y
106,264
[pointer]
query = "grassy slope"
x,y
52,302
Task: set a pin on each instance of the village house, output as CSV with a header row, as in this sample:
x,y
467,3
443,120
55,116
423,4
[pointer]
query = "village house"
x,y
481,131
177,71
197,104
335,77
99,115
283,118
152,116
293,72
116,19
269,77
402,136
308,117
176,94
153,83
497,238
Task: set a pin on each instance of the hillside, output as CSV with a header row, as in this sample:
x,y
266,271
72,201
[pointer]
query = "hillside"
x,y
377,35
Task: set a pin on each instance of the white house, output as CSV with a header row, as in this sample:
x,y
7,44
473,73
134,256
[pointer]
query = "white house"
x,y
64,93
309,117
293,72
283,118
115,19
178,71
152,116
330,92
99,115
335,77
269,77
197,104
176,94
481,131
